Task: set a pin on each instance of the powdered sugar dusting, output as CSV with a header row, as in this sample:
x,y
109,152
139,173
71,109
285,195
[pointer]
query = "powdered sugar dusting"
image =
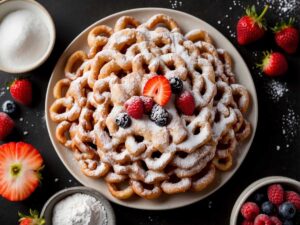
x,y
276,90
285,8
175,4
290,125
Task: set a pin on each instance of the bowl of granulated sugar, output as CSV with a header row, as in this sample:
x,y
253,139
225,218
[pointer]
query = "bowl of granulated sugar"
x,y
27,35
78,205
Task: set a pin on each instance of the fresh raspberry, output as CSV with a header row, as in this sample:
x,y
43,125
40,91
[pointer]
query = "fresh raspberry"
x,y
249,210
275,220
276,194
263,219
6,125
135,107
185,102
294,198
148,103
247,222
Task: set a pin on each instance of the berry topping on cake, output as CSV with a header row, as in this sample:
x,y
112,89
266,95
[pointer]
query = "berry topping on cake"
x,y
6,125
176,85
159,115
185,103
123,120
148,103
135,107
276,194
159,88
19,170
249,210
9,107
21,91
287,210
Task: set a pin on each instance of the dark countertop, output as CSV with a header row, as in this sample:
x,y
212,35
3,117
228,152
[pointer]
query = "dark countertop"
x,y
276,147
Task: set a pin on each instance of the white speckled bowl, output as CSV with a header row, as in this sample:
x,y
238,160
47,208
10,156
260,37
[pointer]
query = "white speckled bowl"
x,y
8,6
49,205
295,185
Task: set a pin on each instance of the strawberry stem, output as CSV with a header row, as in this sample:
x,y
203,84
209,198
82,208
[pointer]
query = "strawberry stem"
x,y
263,13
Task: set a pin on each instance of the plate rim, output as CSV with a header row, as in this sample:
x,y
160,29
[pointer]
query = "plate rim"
x,y
155,10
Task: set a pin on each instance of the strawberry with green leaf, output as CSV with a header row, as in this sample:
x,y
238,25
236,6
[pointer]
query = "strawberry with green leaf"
x,y
32,219
252,26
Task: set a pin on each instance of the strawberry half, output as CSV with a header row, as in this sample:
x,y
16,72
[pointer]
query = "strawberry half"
x,y
287,36
21,91
251,27
32,219
159,88
19,170
274,64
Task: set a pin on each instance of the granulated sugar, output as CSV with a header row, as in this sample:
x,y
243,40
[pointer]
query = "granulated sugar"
x,y
276,90
290,125
175,4
285,8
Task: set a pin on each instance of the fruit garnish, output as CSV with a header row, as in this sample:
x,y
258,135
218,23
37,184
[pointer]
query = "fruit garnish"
x,y
274,64
176,85
185,102
287,36
251,27
9,107
123,120
159,88
20,164
135,107
32,219
287,210
21,91
249,210
6,125
263,219
159,115
148,103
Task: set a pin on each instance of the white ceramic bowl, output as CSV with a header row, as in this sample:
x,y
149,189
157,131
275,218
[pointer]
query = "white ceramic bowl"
x,y
293,184
8,6
47,210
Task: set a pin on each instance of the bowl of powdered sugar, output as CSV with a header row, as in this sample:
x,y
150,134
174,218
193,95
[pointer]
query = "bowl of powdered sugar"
x,y
78,206
27,35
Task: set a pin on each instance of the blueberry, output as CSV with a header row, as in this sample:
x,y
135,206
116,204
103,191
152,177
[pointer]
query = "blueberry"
x,y
159,115
267,208
9,107
123,120
259,198
287,222
287,210
176,85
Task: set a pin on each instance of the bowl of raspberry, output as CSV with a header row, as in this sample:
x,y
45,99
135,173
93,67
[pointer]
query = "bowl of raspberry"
x,y
269,201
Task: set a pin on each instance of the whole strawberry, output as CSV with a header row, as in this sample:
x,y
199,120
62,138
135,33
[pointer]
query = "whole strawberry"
x,y
274,64
32,219
287,36
6,125
251,27
21,91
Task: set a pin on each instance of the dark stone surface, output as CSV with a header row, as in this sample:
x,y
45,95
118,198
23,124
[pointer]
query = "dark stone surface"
x,y
71,17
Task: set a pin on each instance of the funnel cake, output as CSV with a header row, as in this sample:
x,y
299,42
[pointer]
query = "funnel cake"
x,y
144,158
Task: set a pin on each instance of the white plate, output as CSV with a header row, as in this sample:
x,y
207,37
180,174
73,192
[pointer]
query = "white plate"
x,y
186,22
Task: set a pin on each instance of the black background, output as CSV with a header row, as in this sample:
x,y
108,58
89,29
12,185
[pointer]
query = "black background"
x,y
71,17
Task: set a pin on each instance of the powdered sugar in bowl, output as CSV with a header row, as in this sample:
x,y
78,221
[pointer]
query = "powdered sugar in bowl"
x,y
78,206
27,35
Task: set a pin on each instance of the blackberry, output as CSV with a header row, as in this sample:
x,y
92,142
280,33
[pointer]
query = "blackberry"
x,y
176,85
267,208
9,107
123,120
159,115
287,210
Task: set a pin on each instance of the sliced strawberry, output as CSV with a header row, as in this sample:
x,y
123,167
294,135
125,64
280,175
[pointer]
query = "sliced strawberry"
x,y
159,88
19,170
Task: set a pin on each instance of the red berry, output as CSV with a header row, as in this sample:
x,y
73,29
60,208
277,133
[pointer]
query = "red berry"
x,y
287,36
21,91
185,103
274,64
32,219
249,210
263,219
148,103
276,194
6,125
251,27
247,222
159,88
135,107
294,198
275,220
